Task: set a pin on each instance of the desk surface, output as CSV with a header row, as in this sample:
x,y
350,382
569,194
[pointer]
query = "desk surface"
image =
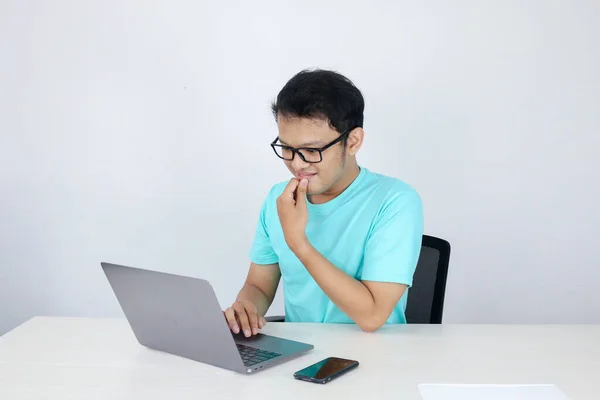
x,y
71,358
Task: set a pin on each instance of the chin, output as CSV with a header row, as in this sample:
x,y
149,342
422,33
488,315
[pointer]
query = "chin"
x,y
315,187
313,192
312,189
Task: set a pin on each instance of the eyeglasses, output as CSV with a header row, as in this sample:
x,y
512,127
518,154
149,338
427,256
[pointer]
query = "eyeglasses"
x,y
307,154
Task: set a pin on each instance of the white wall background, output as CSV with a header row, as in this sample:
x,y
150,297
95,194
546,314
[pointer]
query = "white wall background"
x,y
119,121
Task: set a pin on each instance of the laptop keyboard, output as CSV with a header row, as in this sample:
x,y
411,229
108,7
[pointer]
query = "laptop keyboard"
x,y
251,355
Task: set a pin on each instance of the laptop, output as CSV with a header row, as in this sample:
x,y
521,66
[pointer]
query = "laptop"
x,y
181,315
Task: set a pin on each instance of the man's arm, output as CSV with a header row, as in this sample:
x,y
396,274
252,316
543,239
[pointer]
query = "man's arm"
x,y
254,299
369,304
391,255
260,286
258,292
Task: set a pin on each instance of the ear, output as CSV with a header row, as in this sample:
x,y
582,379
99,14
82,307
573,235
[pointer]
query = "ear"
x,y
355,141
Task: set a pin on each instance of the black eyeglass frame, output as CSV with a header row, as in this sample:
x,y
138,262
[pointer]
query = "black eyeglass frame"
x,y
320,150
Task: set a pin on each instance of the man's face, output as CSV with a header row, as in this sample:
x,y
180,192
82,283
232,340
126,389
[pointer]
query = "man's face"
x,y
304,132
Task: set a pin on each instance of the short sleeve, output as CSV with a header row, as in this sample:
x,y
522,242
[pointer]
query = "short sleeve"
x,y
262,252
394,244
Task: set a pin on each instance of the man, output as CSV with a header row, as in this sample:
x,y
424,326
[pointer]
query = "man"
x,y
345,240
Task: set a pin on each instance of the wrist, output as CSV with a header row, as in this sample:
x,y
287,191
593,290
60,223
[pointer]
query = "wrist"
x,y
299,245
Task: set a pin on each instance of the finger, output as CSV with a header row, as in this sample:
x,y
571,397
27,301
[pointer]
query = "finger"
x,y
252,319
301,196
262,322
290,188
242,318
230,316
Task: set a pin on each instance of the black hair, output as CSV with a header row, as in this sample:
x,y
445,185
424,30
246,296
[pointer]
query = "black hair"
x,y
322,94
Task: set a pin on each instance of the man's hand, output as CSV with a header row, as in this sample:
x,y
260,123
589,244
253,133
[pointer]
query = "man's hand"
x,y
293,213
244,314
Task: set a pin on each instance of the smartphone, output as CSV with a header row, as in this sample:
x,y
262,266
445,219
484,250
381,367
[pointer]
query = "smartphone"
x,y
326,370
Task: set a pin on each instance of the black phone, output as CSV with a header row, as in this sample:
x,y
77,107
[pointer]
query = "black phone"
x,y
326,370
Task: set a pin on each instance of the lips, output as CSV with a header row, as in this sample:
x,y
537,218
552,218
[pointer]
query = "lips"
x,y
305,176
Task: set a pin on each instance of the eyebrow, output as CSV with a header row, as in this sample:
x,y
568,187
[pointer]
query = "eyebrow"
x,y
307,144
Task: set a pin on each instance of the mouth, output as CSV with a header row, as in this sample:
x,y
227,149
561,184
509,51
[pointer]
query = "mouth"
x,y
305,176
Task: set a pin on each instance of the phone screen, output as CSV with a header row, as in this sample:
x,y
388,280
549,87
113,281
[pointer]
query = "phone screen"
x,y
326,368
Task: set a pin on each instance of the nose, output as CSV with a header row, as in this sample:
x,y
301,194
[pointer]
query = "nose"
x,y
298,164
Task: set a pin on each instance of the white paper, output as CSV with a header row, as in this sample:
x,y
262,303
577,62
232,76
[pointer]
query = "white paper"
x,y
490,392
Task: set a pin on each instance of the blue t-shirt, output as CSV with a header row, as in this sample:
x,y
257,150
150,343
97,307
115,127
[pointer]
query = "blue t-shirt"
x,y
372,231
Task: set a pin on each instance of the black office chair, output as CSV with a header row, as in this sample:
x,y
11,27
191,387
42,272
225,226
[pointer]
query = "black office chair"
x,y
425,303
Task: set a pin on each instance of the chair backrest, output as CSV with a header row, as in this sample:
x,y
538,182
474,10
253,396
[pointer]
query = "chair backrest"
x,y
425,303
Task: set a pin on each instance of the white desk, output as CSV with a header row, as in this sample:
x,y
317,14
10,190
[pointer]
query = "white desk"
x,y
63,358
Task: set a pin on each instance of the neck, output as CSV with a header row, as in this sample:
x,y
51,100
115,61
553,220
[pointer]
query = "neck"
x,y
350,173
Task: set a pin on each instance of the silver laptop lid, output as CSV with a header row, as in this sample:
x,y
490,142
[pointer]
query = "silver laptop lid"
x,y
175,314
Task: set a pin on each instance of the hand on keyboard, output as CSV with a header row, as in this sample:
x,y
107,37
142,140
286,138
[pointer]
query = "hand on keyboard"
x,y
243,315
